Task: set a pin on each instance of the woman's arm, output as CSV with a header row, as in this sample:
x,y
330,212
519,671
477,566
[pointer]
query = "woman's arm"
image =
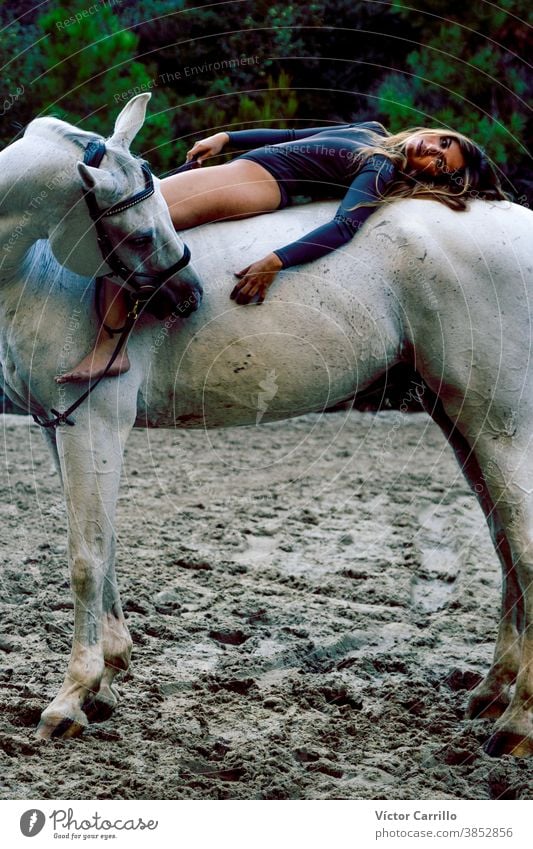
x,y
250,139
369,184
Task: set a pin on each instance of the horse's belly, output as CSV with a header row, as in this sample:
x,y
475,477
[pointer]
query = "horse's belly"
x,y
253,378
304,351
250,395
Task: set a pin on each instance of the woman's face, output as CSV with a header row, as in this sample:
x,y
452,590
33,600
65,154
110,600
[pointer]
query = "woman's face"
x,y
433,153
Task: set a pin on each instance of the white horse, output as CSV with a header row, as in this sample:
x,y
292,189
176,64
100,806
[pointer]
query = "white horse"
x,y
446,292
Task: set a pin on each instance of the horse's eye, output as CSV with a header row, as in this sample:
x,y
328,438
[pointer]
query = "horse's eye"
x,y
140,241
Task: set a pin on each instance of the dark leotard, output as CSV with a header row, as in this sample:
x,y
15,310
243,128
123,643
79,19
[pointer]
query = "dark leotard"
x,y
321,162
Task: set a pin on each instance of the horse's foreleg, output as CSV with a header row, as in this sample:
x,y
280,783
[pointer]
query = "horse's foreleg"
x,y
117,645
91,458
49,436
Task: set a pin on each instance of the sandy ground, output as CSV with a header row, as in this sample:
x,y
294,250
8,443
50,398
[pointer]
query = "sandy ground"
x,y
309,603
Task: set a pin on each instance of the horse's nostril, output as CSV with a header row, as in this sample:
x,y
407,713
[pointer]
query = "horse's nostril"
x,y
195,298
192,298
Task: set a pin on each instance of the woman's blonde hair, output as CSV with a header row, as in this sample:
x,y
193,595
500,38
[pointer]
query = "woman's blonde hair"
x,y
478,179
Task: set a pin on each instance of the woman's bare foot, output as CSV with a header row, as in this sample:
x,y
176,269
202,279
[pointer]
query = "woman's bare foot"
x,y
94,364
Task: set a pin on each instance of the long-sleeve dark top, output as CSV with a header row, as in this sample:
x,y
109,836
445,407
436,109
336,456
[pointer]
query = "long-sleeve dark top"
x,y
322,162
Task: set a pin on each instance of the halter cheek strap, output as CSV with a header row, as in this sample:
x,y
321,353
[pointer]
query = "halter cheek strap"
x,y
94,153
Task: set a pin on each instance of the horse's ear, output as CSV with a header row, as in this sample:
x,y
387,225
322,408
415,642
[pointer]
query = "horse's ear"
x,y
130,120
88,174
100,179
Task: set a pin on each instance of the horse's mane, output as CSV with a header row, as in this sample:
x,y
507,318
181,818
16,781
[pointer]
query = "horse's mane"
x,y
55,129
44,274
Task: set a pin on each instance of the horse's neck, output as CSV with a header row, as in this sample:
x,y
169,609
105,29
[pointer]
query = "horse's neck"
x,y
30,198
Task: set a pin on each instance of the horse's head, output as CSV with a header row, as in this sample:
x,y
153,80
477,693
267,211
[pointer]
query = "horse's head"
x,y
125,224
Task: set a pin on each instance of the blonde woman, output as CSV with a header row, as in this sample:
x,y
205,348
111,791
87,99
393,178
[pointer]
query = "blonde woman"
x,y
362,163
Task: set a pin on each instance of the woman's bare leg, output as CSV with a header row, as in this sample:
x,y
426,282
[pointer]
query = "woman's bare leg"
x,y
115,311
235,189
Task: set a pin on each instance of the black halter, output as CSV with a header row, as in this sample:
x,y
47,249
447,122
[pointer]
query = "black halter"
x,y
94,153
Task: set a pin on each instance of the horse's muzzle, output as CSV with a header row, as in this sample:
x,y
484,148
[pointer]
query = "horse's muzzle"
x,y
179,295
191,291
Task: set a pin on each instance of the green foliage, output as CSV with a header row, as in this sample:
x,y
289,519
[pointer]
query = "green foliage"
x,y
271,101
277,99
89,60
397,100
221,65
86,61
224,109
19,64
466,74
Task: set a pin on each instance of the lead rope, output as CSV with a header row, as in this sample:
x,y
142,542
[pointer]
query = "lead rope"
x,y
133,314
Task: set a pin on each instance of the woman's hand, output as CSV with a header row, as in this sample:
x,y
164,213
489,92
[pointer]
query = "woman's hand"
x,y
205,148
255,279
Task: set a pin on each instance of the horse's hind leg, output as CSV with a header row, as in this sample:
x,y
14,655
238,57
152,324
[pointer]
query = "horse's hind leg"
x,y
91,459
514,730
508,472
492,696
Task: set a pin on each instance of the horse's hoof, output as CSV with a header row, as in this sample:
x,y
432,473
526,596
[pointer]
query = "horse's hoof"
x,y
100,706
54,726
484,706
509,743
